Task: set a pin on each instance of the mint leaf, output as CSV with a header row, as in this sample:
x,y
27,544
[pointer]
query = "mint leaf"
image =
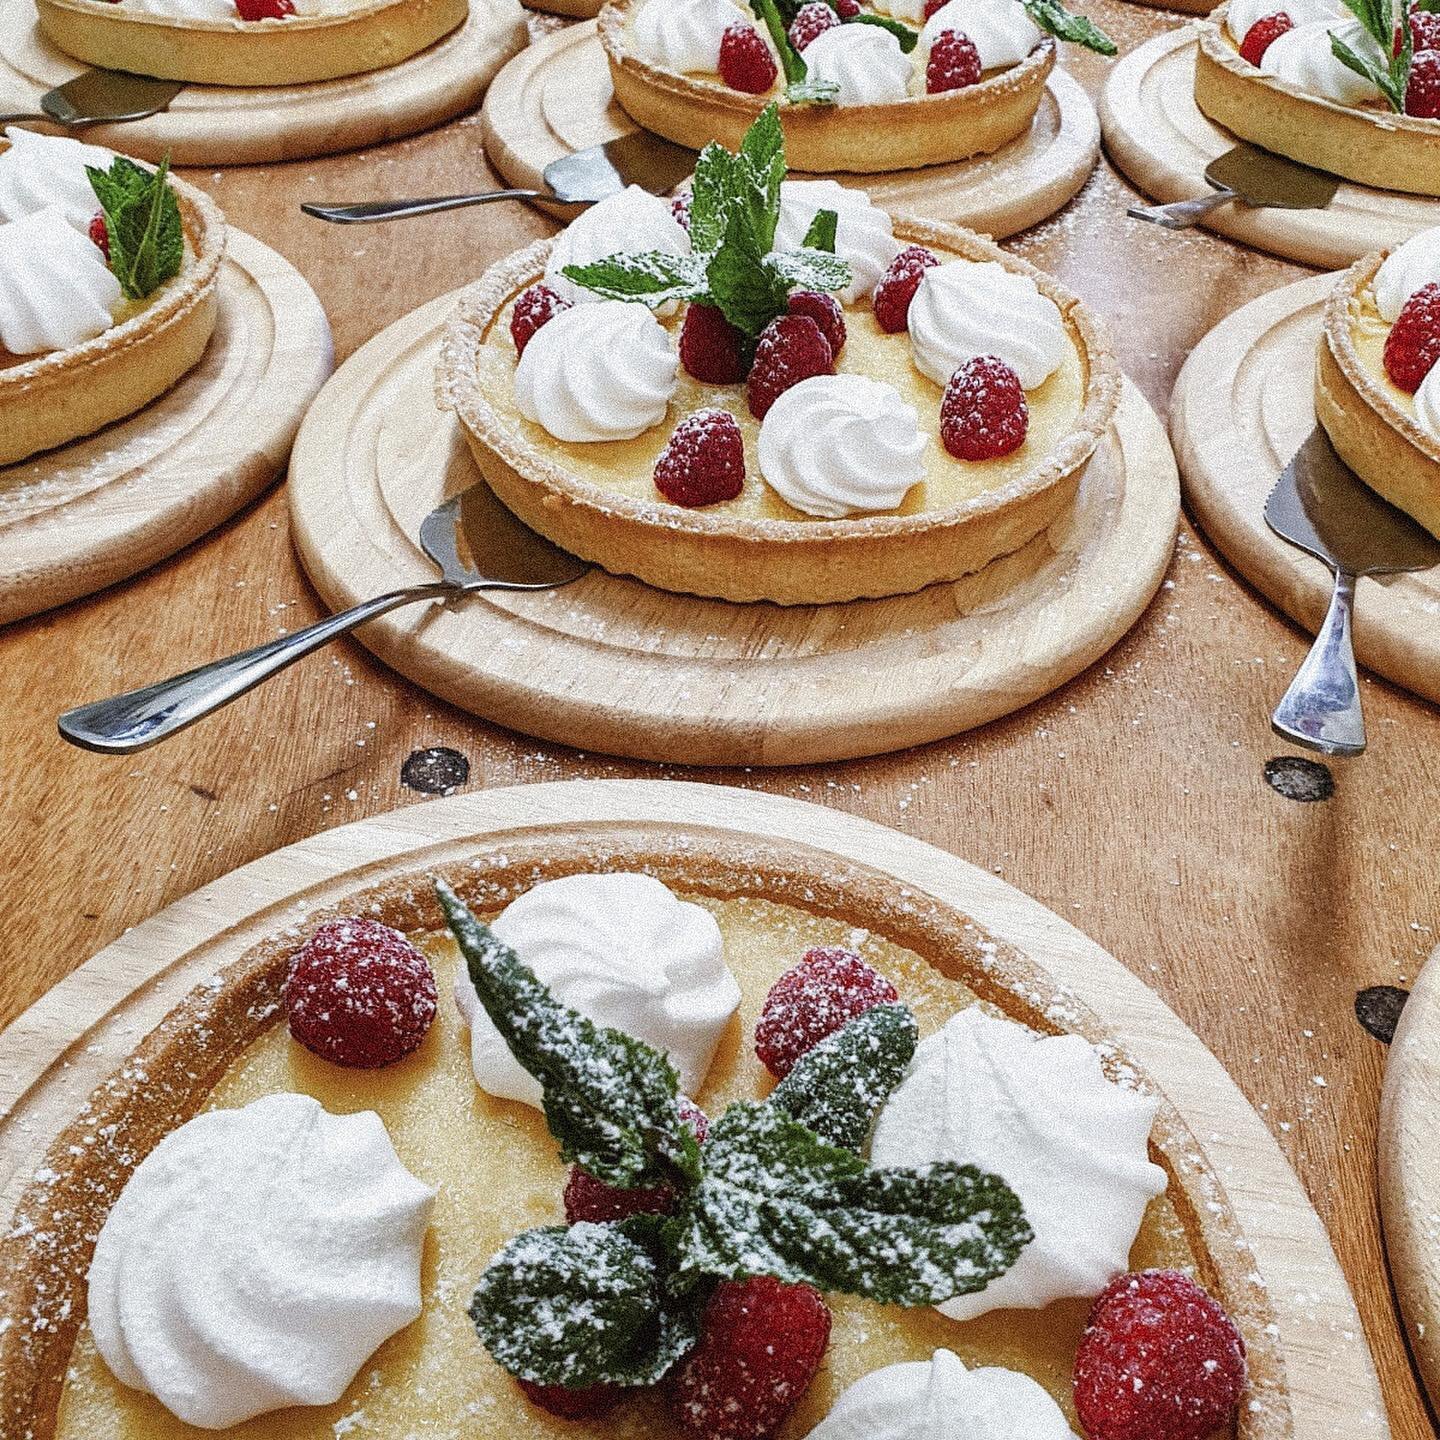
x,y
790,61
761,162
776,1200
749,291
710,192
651,276
821,234
610,1100
1380,21
907,37
809,269
836,1088
1385,81
142,223
1052,17
811,92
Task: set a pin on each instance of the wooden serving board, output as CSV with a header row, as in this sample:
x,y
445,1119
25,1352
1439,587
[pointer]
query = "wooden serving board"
x,y
1410,1170
1318,1383
556,98
81,517
610,664
1242,406
1156,134
221,125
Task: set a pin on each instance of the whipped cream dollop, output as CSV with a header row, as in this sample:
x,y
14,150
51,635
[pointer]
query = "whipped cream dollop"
x,y
685,35
256,1259
864,62
1410,267
939,1399
864,233
968,308
1427,403
55,288
626,952
1242,15
1303,57
598,372
1039,1112
838,445
1001,30
633,220
40,172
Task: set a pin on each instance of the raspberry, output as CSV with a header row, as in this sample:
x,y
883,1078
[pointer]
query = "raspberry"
x,y
811,20
1159,1360
825,311
954,63
1262,34
265,9
703,462
933,7
680,209
536,307
1424,31
898,285
791,348
1422,93
100,234
761,1343
1413,345
359,994
847,9
711,348
587,1404
826,990
587,1198
983,415
745,60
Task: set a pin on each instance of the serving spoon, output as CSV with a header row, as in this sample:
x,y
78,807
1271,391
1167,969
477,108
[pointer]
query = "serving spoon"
x,y
100,97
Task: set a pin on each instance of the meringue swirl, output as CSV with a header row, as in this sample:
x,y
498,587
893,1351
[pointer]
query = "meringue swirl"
x,y
1001,30
633,220
684,35
967,308
1411,267
1427,403
188,9
1242,15
626,952
256,1259
864,62
40,171
1303,58
55,288
864,233
838,445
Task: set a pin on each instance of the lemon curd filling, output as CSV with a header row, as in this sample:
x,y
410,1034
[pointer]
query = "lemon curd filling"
x,y
498,1172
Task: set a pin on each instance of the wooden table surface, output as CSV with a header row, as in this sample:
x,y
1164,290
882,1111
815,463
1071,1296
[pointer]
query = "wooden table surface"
x,y
1134,801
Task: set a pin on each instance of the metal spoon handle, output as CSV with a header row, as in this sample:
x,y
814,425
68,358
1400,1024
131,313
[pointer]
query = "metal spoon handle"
x,y
367,212
1321,709
1182,213
23,117
133,721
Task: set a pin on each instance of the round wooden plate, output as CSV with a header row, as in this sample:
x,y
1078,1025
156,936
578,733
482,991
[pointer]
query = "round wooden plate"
x,y
1242,407
82,1031
609,664
556,98
1409,1172
1156,134
76,519
220,125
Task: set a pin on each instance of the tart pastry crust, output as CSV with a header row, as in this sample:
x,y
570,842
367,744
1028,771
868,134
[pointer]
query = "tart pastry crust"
x,y
859,139
1376,148
786,561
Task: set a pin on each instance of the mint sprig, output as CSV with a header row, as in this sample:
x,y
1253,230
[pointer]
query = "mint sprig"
x,y
1053,18
142,224
1380,20
909,38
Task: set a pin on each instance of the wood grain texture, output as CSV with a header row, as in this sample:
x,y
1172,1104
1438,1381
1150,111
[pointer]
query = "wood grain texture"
x,y
1132,801
76,519
556,98
1242,407
1157,135
58,1051
221,125
1410,1169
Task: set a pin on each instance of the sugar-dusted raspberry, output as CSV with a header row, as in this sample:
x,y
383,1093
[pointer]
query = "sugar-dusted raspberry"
x,y
587,1198
934,6
1159,1360
1262,34
1413,345
265,9
847,9
587,1404
1422,93
791,348
898,285
761,1343
954,63
536,307
825,991
811,20
984,415
1424,31
745,60
703,462
711,348
359,993
680,209
100,234
825,311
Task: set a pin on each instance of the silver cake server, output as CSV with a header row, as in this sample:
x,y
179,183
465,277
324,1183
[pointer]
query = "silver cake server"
x,y
101,97
1247,176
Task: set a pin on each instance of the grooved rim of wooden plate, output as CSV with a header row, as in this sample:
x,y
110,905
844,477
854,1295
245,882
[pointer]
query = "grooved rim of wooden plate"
x,y
222,125
81,1031
1243,405
609,664
103,508
1157,135
1409,1174
556,98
